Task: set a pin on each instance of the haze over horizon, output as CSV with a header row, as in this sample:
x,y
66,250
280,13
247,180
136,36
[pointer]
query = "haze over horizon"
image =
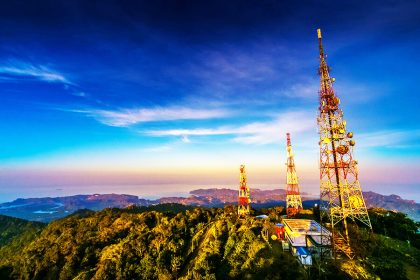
x,y
111,95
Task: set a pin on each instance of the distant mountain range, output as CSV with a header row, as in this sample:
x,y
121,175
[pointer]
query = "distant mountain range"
x,y
47,209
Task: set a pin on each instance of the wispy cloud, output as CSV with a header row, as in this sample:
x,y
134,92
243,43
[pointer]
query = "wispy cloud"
x,y
389,139
308,90
19,69
158,149
248,74
185,139
128,117
253,133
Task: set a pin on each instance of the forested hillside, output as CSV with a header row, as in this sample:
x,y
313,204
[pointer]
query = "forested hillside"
x,y
14,235
183,243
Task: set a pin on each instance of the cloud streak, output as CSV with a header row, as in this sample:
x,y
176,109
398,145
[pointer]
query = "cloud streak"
x,y
248,74
158,149
18,69
389,139
268,132
129,117
308,90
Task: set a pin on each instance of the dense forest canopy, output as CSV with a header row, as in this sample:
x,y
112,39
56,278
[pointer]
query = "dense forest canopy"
x,y
182,242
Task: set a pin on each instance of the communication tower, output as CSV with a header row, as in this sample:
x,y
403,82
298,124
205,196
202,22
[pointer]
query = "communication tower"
x,y
340,191
244,198
293,199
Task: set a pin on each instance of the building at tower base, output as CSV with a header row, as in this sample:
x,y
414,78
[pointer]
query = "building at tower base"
x,y
307,239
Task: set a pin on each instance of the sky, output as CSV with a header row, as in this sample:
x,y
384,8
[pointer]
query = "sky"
x,y
155,97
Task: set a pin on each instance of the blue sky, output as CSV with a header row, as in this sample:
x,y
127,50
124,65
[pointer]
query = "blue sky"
x,y
150,92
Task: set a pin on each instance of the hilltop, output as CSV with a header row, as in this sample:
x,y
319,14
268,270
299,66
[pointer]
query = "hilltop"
x,y
180,242
137,244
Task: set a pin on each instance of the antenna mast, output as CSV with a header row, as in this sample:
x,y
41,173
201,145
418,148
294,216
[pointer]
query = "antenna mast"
x,y
293,199
340,191
244,198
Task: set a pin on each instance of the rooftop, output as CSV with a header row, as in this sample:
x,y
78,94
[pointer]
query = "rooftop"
x,y
298,229
304,226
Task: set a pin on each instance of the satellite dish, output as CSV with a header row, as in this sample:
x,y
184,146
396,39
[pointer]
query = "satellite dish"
x,y
326,140
342,149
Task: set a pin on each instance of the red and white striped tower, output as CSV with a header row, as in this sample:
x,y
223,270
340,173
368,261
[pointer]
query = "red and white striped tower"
x,y
244,198
293,199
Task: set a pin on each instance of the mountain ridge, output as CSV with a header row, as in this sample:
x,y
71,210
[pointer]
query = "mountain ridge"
x,y
51,208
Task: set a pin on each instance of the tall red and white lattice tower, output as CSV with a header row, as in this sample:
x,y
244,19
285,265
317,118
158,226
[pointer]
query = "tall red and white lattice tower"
x,y
340,191
244,198
293,199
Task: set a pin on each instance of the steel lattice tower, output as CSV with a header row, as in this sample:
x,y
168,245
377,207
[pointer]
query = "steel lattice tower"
x,y
293,199
244,198
340,191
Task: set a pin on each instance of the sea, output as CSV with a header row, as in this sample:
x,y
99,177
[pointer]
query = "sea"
x,y
155,191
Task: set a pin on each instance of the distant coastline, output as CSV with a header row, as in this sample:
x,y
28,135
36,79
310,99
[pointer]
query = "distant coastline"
x,y
157,191
46,209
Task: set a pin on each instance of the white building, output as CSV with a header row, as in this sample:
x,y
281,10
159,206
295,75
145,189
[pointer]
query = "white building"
x,y
307,238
